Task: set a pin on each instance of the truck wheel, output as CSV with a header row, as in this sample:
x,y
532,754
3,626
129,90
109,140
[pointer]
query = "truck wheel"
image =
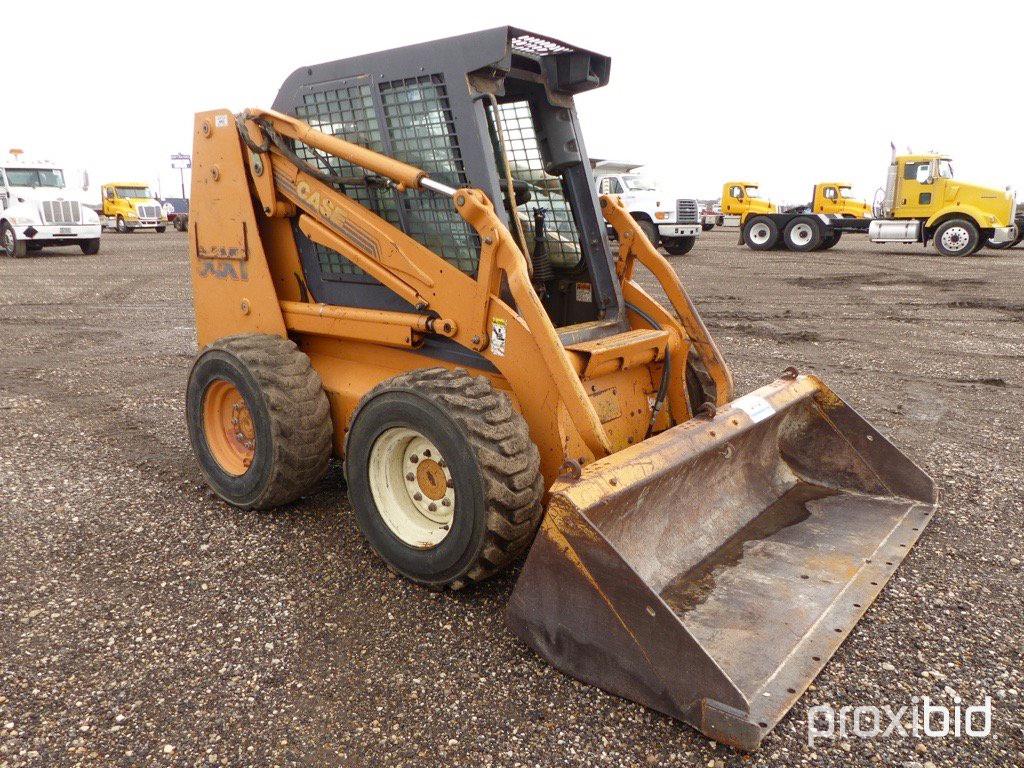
x,y
761,233
957,237
12,246
803,234
181,223
678,246
649,230
443,477
90,247
830,241
258,420
122,226
707,227
161,230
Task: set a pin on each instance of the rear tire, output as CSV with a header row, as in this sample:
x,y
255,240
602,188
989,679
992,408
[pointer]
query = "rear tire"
x,y
761,233
181,223
649,230
481,462
258,420
10,244
830,242
678,246
804,233
707,227
90,247
957,237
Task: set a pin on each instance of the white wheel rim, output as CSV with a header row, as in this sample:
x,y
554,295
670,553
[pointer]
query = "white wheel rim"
x,y
801,234
955,239
8,241
759,234
412,487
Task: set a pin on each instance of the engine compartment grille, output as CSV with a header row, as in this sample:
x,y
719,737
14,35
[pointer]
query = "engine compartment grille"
x,y
149,211
687,212
62,212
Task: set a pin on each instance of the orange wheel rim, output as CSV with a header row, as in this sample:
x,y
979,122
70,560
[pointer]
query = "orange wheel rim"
x,y
230,432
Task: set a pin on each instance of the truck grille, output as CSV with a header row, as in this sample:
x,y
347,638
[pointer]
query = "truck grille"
x,y
149,211
687,212
62,212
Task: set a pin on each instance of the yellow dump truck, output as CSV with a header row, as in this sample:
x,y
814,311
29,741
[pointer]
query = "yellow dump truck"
x,y
128,206
923,203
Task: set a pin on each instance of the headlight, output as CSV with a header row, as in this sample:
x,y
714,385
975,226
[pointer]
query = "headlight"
x,y
662,215
131,215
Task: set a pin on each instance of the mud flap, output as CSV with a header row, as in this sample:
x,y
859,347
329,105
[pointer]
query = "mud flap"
x,y
710,571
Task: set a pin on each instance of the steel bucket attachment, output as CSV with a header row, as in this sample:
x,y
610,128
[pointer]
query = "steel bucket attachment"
x,y
710,572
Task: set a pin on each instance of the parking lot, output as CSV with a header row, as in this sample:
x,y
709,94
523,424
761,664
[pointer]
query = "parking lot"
x,y
148,623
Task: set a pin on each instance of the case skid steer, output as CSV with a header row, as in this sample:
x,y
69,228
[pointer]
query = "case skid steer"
x,y
404,264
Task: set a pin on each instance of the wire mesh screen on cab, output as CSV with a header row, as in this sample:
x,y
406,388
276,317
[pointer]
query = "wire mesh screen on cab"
x,y
410,120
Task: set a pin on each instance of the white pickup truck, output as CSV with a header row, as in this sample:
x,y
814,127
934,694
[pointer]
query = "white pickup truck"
x,y
37,209
672,222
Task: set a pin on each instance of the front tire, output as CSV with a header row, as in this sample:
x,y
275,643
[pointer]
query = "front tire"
x,y
957,237
160,230
678,246
443,477
649,230
258,420
761,233
11,244
803,234
90,247
122,225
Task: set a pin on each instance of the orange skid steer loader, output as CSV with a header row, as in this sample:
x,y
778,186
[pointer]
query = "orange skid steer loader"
x,y
404,264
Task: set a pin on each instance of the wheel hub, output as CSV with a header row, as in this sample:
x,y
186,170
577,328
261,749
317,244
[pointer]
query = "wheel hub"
x,y
759,233
412,487
801,234
228,427
955,238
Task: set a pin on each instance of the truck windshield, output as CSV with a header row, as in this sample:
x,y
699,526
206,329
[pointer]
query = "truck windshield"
x,y
35,177
752,191
847,193
127,192
639,183
945,169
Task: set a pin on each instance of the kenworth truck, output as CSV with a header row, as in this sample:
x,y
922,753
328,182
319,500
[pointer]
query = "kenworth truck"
x,y
37,210
673,223
128,206
922,203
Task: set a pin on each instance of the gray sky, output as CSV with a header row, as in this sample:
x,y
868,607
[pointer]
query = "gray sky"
x,y
780,93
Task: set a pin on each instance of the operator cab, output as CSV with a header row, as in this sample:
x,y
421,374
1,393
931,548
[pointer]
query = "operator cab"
x,y
492,110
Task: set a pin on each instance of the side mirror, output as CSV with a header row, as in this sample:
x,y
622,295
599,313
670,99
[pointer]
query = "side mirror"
x,y
85,181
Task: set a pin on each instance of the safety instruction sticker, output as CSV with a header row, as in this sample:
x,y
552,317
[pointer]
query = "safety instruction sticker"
x,y
755,406
498,337
584,293
221,121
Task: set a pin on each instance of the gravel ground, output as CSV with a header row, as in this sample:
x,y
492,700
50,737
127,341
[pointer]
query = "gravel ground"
x,y
147,623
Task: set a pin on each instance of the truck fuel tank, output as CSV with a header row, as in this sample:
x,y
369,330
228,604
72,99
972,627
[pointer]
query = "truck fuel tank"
x,y
881,231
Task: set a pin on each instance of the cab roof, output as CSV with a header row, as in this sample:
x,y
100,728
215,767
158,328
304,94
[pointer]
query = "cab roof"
x,y
923,158
742,184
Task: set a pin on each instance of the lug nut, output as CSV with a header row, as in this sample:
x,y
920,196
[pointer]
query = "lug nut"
x,y
414,458
432,507
418,496
410,477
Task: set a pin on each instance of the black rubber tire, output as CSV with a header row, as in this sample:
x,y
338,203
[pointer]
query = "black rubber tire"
x,y
830,242
161,230
973,243
290,413
773,233
7,235
678,246
90,247
181,223
649,230
805,223
121,226
494,464
707,227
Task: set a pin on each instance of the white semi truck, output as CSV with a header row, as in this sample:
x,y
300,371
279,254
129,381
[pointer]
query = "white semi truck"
x,y
672,222
38,210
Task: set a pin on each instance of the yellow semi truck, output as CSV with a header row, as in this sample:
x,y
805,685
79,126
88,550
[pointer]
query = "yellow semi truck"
x,y
922,203
128,206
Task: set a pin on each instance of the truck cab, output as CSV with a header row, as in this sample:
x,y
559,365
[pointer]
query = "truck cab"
x,y
923,201
672,222
743,199
836,198
38,210
128,206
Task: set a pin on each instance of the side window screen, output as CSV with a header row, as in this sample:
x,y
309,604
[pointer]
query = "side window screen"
x,y
422,133
412,122
561,234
